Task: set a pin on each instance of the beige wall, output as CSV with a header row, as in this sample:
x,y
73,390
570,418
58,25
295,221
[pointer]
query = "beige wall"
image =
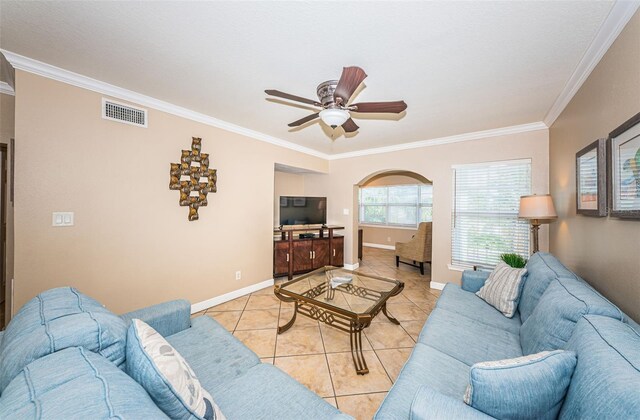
x,y
285,183
384,235
132,244
7,113
434,163
604,251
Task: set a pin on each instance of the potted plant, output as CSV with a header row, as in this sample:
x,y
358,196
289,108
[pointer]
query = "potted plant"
x,y
514,260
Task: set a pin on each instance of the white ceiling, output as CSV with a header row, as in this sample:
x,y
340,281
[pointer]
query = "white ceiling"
x,y
460,66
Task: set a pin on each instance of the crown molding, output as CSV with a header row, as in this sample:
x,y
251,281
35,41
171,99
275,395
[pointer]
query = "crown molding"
x,y
6,89
476,135
46,70
614,23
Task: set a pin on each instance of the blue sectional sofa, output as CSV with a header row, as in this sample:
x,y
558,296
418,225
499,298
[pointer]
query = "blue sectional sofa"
x,y
557,310
66,380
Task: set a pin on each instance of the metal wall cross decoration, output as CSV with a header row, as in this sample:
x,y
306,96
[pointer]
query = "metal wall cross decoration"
x,y
193,178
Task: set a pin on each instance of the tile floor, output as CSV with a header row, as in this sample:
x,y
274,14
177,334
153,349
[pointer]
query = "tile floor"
x,y
318,355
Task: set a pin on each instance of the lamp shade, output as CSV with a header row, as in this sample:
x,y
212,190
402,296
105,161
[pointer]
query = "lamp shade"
x,y
539,207
334,117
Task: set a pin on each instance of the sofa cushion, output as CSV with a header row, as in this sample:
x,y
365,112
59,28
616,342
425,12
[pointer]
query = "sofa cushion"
x,y
542,268
426,366
467,340
527,387
57,319
75,383
166,376
454,299
266,392
472,281
606,381
167,317
429,404
633,324
216,356
563,303
502,288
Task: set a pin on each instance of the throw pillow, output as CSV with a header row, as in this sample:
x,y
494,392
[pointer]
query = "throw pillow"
x,y
76,384
527,387
502,288
166,376
55,320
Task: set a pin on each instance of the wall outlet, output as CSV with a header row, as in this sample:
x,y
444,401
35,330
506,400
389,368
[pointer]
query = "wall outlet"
x,y
345,212
238,275
388,238
62,219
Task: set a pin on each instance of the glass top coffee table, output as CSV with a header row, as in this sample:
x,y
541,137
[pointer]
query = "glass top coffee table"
x,y
349,307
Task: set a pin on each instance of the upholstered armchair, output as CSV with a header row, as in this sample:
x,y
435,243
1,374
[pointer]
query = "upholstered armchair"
x,y
418,249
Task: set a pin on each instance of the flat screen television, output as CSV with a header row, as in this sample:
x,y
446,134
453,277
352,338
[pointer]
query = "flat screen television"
x,y
303,210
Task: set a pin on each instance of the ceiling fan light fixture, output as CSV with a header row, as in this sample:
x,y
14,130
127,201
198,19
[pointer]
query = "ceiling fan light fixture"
x,y
335,102
334,117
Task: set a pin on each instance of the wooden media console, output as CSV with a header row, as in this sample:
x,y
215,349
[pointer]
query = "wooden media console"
x,y
295,255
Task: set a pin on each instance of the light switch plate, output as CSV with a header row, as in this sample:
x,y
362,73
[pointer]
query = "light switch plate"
x,y
345,212
62,218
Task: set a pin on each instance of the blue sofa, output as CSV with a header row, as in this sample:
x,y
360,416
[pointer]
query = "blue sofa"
x,y
67,380
557,310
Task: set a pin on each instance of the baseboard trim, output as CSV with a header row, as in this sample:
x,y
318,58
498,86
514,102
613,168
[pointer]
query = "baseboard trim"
x,y
352,266
380,246
436,285
206,304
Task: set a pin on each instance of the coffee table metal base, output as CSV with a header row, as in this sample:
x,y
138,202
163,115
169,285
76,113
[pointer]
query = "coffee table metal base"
x,y
342,322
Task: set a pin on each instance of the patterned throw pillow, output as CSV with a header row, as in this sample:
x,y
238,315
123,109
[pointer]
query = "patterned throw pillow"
x,y
166,376
527,387
502,288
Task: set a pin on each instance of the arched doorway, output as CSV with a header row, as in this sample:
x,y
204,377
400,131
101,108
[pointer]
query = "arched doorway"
x,y
388,205
393,172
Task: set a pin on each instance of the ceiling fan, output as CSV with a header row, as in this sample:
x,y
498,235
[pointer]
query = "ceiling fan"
x,y
333,98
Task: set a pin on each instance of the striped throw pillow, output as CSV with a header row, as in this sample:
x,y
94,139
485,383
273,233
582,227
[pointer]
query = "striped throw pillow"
x,y
502,288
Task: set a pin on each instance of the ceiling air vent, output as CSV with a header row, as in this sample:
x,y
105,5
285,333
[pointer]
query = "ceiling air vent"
x,y
127,114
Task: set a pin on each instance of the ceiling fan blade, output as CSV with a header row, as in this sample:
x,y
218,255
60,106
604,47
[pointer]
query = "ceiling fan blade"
x,y
292,97
348,83
304,120
350,126
387,107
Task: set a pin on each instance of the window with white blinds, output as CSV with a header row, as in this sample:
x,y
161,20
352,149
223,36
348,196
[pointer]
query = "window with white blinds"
x,y
485,220
396,205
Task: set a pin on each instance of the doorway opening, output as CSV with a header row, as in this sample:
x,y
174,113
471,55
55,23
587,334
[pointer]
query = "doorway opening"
x,y
389,206
3,234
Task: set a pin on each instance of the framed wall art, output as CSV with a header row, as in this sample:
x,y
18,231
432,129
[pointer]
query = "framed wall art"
x,y
624,169
193,178
591,182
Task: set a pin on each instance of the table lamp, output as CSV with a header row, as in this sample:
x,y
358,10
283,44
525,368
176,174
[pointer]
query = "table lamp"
x,y
537,209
